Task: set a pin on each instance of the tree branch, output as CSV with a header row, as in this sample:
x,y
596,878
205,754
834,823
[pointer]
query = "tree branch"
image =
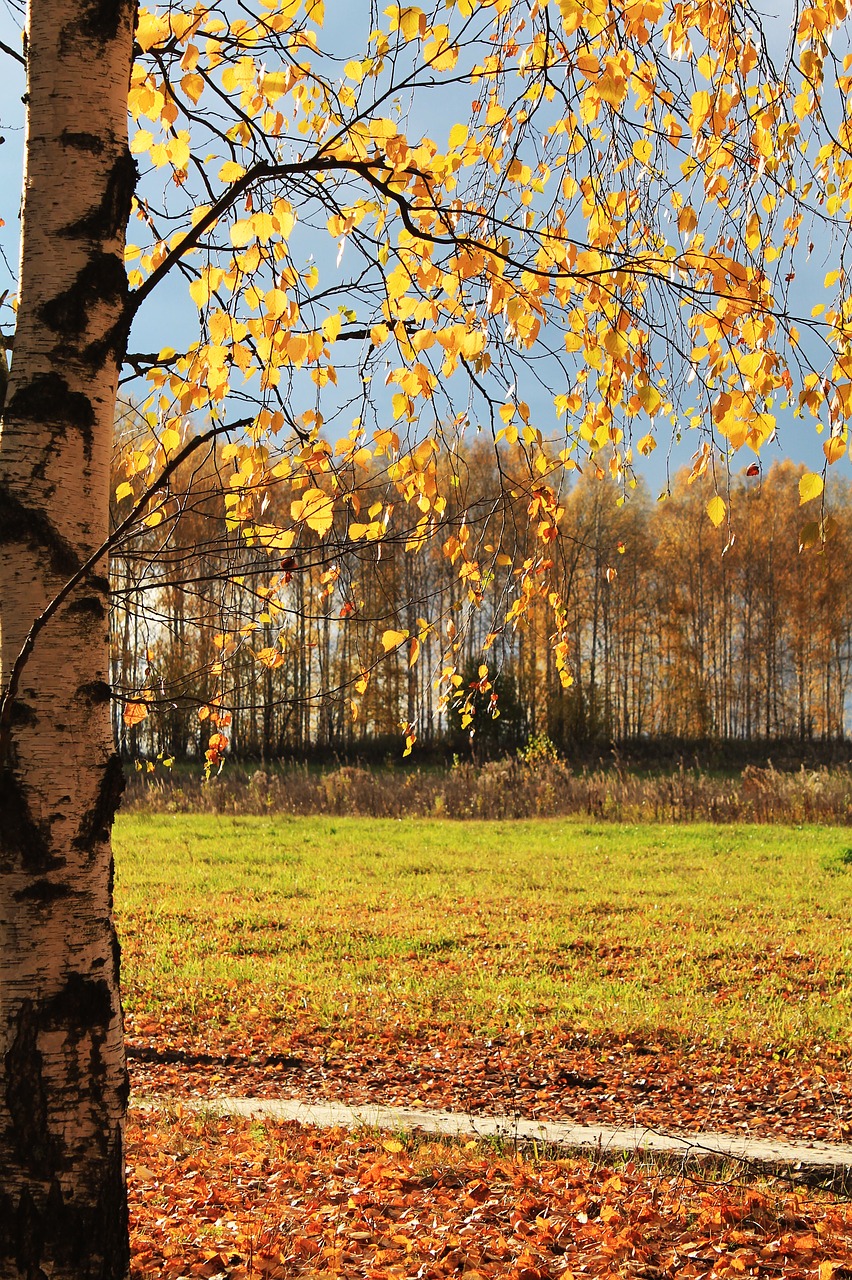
x,y
13,683
19,57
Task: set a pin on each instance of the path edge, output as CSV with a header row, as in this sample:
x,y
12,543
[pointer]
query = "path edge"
x,y
814,1163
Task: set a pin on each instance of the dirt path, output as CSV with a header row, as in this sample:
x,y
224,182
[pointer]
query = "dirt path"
x,y
804,1158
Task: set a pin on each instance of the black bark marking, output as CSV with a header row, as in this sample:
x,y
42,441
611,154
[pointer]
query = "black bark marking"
x,y
26,1099
106,219
102,280
95,693
22,714
41,1230
82,1007
97,823
48,398
24,842
83,141
91,605
88,1240
20,1234
102,18
43,892
113,1234
99,583
20,524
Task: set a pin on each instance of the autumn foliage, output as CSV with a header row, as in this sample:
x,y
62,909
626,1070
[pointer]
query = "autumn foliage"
x,y
573,230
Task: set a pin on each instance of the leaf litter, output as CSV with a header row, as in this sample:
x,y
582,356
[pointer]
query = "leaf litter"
x,y
230,1199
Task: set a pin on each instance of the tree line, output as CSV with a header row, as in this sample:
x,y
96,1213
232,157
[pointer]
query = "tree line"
x,y
667,627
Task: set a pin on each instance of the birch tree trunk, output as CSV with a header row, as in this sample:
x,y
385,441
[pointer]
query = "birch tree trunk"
x,y
63,1082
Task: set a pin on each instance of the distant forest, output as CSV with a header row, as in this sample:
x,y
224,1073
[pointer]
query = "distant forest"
x,y
674,629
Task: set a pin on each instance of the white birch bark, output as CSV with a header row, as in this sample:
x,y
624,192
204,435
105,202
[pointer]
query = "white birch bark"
x,y
63,1083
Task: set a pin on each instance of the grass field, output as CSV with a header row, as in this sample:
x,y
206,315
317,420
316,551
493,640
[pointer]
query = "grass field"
x,y
687,933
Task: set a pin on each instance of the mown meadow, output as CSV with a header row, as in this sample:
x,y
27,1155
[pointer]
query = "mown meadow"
x,y
736,933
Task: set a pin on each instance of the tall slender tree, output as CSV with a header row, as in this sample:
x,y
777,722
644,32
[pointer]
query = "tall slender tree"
x,y
64,1082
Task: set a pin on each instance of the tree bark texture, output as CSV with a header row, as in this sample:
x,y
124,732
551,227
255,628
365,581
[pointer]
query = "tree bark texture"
x,y
63,1081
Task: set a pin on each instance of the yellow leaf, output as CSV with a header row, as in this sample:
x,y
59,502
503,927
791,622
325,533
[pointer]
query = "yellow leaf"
x,y
401,405
612,88
193,86
242,232
316,509
150,30
283,218
382,128
142,140
809,535
372,532
642,150
392,639
199,291
170,439
458,136
275,303
391,1144
134,713
270,658
124,490
331,326
273,538
716,510
276,83
810,487
231,171
178,150
263,225
412,23
588,65
834,449
687,220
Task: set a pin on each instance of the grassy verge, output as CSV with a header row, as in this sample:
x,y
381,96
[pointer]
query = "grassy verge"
x,y
239,926
537,787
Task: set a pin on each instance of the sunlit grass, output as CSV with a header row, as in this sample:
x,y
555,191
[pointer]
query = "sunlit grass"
x,y
682,932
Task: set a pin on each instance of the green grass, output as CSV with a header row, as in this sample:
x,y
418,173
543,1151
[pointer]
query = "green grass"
x,y
378,926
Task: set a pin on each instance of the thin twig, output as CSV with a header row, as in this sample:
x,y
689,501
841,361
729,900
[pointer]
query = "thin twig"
x,y
115,537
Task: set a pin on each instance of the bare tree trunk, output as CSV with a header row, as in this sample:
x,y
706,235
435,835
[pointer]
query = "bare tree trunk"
x,y
63,1089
